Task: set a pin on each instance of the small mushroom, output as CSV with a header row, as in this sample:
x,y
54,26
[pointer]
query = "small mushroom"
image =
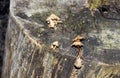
x,y
78,38
78,44
78,62
54,45
53,20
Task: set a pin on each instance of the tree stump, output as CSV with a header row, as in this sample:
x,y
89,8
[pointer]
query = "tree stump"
x,y
28,41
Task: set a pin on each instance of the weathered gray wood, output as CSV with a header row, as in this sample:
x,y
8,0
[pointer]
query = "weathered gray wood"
x,y
28,40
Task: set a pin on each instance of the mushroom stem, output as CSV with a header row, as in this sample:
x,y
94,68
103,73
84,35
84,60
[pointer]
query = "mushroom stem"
x,y
79,49
80,52
54,47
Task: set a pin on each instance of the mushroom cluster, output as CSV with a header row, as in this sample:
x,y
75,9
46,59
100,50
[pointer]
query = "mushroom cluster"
x,y
52,21
78,44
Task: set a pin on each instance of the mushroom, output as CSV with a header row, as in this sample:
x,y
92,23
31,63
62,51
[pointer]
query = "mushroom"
x,y
53,20
78,38
78,62
78,44
54,45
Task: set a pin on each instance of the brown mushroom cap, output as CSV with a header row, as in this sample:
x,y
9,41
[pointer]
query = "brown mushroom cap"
x,y
56,43
78,38
53,17
77,43
53,20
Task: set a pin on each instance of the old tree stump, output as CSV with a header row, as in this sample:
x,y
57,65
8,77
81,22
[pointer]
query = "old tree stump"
x,y
28,40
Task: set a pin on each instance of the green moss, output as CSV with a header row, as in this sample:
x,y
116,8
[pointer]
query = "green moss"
x,y
97,3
